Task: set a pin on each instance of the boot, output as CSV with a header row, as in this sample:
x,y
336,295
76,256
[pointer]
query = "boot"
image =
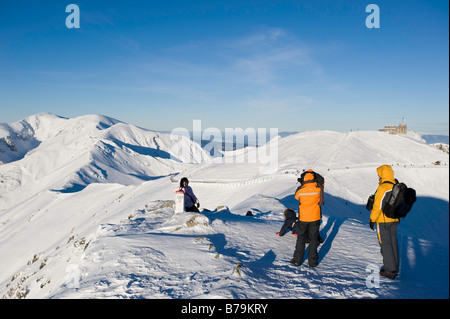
x,y
387,275
295,263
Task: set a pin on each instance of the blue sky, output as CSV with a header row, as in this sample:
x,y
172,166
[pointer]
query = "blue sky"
x,y
292,65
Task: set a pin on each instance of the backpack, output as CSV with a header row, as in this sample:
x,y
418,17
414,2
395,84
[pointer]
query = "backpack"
x,y
318,179
370,201
400,201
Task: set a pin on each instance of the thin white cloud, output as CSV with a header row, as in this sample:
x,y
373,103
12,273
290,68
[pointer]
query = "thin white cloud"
x,y
271,105
268,35
264,67
270,57
264,71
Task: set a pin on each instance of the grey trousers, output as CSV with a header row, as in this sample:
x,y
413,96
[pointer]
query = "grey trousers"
x,y
387,237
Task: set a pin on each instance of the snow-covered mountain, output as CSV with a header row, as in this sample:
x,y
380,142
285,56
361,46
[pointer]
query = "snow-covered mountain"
x,y
86,211
434,139
46,151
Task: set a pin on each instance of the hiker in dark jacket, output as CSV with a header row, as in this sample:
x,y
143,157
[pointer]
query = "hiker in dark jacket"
x,y
191,202
290,223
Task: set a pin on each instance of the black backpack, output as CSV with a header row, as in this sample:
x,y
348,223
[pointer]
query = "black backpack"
x,y
400,201
318,179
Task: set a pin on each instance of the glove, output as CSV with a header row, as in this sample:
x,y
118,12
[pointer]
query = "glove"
x,y
372,224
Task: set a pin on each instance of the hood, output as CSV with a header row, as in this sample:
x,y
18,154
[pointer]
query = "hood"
x,y
309,176
386,174
289,214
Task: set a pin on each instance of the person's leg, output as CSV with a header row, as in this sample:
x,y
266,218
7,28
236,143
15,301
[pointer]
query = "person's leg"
x,y
301,242
192,209
387,250
393,232
313,232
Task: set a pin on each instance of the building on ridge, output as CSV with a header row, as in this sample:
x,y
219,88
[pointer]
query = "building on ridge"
x,y
400,129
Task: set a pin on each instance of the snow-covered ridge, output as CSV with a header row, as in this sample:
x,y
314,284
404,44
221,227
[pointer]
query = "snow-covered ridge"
x,y
46,151
40,127
88,213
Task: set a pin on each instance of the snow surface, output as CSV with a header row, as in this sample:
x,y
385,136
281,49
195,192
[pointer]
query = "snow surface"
x,y
86,211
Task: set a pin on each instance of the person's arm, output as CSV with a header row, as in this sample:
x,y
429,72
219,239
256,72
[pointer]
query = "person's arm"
x,y
377,203
284,228
190,193
287,225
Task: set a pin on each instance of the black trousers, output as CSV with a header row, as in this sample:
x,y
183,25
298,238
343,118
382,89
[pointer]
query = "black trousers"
x,y
192,209
307,231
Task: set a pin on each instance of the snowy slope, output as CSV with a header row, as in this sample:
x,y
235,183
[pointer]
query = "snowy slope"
x,y
118,236
68,154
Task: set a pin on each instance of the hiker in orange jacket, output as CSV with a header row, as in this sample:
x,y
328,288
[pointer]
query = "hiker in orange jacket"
x,y
386,227
310,197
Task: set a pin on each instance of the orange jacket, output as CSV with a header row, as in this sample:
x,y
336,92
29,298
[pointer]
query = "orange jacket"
x,y
308,196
